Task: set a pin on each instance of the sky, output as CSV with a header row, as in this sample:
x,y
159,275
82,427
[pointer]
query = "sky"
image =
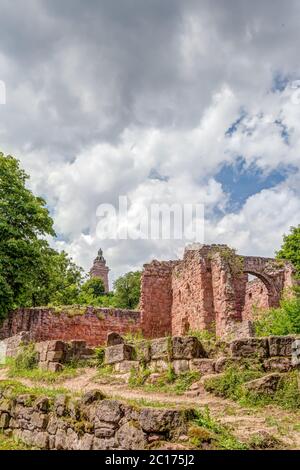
x,y
171,101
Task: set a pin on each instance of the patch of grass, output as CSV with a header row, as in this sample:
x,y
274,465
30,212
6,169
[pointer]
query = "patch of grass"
x,y
14,388
171,383
70,310
10,443
100,356
138,377
45,376
206,429
230,385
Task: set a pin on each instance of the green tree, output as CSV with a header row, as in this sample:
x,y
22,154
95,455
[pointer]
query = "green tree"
x,y
91,292
290,249
128,290
24,222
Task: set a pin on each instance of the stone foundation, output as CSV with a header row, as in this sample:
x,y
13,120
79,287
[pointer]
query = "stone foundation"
x,y
88,423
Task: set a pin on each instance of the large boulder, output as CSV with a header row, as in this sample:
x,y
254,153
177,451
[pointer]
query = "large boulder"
x,y
155,420
281,345
161,348
278,364
250,347
119,353
187,347
267,384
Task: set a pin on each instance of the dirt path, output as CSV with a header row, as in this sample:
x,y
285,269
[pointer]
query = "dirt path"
x,y
283,425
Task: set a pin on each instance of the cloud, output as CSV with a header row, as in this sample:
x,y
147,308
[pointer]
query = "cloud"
x,y
136,98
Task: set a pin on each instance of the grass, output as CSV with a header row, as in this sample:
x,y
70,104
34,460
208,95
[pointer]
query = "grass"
x,y
168,382
206,430
230,385
9,443
14,388
45,376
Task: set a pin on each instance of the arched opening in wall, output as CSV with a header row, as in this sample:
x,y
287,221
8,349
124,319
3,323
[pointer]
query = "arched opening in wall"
x,y
257,294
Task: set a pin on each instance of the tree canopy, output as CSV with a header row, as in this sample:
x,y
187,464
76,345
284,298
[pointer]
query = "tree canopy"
x,y
128,290
290,249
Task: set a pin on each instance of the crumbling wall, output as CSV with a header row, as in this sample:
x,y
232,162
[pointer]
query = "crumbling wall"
x,y
156,298
256,297
193,303
88,423
92,325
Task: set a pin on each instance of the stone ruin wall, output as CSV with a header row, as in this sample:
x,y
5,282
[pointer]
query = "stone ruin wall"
x,y
205,291
256,296
92,326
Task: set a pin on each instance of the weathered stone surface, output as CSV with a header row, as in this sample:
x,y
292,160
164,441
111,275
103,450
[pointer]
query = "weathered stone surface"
x,y
60,405
126,366
54,356
180,366
162,421
161,348
104,430
91,396
113,339
109,411
131,437
42,404
204,366
143,351
187,347
54,367
267,384
250,347
280,345
159,365
104,444
119,353
4,420
39,420
40,440
279,364
296,353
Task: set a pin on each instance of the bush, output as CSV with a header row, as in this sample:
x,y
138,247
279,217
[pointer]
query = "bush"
x,y
100,355
284,320
27,359
230,385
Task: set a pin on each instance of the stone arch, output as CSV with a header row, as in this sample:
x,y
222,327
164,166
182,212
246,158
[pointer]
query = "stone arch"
x,y
269,272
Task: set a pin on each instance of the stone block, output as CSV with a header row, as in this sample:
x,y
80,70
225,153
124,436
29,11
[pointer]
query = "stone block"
x,y
54,356
4,420
113,339
119,353
187,347
204,366
56,345
108,411
267,384
279,364
180,366
91,396
155,420
104,430
280,345
126,366
250,347
55,367
143,351
159,365
130,436
161,348
296,353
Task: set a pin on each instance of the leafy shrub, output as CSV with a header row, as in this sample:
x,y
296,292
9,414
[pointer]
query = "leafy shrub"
x,y
100,355
230,385
27,359
284,320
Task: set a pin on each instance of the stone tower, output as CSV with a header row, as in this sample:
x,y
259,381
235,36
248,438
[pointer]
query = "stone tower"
x,y
100,269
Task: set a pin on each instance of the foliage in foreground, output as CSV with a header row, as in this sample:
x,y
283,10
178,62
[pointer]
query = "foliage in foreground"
x,y
290,249
230,385
284,320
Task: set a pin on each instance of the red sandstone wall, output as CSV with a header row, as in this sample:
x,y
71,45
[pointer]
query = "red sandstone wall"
x,y
92,327
192,307
156,298
256,296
